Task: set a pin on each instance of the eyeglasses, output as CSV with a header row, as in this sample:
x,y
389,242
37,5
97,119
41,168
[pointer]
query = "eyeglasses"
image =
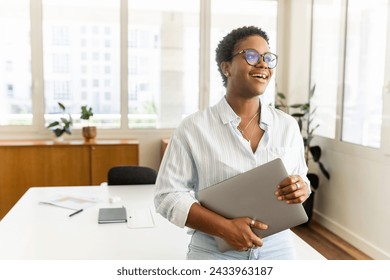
x,y
252,57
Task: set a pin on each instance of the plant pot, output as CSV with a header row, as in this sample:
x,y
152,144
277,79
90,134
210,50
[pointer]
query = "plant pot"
x,y
309,203
59,139
89,134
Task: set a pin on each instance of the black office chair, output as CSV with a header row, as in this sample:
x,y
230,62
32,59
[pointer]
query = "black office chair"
x,y
131,175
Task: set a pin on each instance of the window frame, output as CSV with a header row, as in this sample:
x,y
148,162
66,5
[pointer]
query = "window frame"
x,y
336,144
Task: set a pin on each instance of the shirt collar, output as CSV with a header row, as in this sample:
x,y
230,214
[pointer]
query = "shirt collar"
x,y
227,114
266,116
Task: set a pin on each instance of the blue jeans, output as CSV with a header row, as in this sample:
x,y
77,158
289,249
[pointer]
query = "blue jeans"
x,y
279,246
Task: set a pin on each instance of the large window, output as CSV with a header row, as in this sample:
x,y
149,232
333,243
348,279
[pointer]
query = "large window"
x,y
357,75
81,58
163,61
137,63
15,61
325,64
364,72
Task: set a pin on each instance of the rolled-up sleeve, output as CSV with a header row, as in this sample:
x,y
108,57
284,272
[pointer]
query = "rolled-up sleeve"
x,y
175,182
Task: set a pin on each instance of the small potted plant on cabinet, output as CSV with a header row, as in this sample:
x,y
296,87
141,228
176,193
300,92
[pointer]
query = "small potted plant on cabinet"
x,y
89,132
64,125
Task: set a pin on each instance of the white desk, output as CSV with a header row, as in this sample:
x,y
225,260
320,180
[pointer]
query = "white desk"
x,y
37,231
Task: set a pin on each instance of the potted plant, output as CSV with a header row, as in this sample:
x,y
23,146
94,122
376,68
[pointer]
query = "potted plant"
x,y
64,125
89,132
305,117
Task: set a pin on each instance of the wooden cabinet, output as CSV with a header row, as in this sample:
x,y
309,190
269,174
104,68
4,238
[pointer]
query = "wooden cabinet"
x,y
164,145
104,156
25,164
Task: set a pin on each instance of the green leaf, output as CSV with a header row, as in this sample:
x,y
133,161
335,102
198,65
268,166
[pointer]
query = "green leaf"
x,y
296,106
86,112
314,180
305,107
64,120
312,90
324,171
58,132
53,124
300,124
314,128
63,125
298,115
316,153
61,106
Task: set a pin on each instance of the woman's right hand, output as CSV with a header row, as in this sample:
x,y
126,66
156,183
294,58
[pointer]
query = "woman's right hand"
x,y
237,232
240,234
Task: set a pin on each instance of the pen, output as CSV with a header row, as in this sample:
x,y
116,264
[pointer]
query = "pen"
x,y
78,211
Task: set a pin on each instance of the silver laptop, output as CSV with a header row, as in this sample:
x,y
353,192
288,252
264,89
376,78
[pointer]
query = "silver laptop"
x,y
251,194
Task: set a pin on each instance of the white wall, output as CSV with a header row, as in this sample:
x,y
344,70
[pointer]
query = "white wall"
x,y
150,145
354,204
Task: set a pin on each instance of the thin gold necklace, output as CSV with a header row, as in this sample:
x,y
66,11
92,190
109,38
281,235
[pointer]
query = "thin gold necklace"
x,y
243,130
253,129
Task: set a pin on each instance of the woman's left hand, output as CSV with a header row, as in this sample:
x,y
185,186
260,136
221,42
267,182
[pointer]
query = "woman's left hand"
x,y
292,190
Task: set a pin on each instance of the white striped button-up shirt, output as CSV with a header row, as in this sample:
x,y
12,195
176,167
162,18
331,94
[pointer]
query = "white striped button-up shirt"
x,y
207,148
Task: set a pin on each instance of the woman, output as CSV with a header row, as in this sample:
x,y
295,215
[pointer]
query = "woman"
x,y
234,136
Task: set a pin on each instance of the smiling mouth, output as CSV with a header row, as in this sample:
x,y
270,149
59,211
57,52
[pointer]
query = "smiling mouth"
x,y
259,76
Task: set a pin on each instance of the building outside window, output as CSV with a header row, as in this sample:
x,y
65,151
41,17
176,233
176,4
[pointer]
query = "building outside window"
x,y
82,52
367,24
358,76
15,58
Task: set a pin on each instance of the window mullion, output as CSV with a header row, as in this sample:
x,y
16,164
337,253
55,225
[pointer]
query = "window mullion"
x,y
385,144
342,55
204,53
38,104
124,61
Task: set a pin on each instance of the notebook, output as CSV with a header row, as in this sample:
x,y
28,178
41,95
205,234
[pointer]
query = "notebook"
x,y
112,215
251,194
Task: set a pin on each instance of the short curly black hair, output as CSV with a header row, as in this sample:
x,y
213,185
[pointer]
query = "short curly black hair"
x,y
224,50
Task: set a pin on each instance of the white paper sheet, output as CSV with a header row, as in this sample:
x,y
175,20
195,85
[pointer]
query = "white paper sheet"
x,y
140,218
71,202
